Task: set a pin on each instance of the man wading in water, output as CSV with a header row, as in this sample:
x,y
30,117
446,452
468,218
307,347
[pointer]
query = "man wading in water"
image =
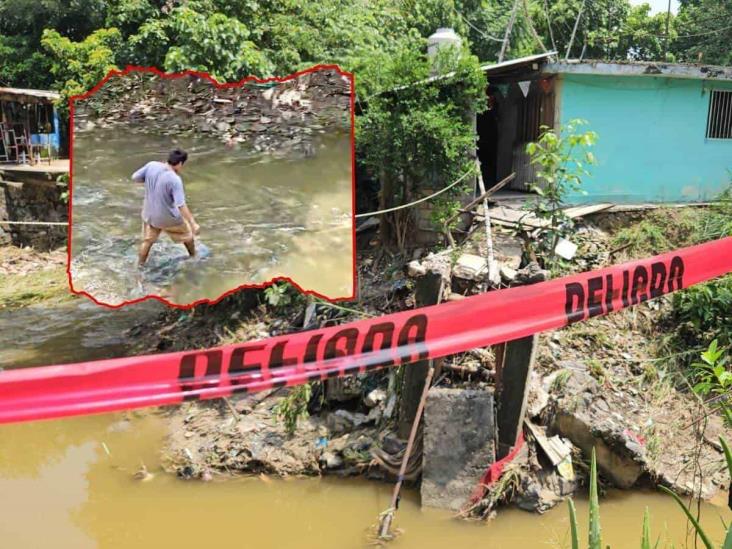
x,y
164,208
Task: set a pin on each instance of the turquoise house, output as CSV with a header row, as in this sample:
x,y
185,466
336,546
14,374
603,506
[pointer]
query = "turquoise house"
x,y
665,130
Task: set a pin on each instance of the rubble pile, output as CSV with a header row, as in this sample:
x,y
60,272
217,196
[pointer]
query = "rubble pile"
x,y
281,117
595,384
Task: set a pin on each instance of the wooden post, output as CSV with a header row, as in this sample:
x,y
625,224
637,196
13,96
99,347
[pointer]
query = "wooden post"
x,y
427,292
509,28
518,361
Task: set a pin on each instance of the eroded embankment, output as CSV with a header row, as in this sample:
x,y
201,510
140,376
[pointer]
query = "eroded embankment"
x,y
607,383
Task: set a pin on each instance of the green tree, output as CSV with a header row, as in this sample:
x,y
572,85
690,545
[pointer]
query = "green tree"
x,y
214,43
78,66
562,159
421,134
704,32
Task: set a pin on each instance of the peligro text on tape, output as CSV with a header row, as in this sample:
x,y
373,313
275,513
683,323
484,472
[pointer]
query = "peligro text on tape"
x,y
365,345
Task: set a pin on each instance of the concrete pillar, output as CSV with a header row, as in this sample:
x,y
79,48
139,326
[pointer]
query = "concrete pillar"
x,y
459,444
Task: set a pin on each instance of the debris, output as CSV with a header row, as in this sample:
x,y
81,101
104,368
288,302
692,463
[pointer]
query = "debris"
x,y
389,408
508,274
503,215
565,248
342,421
581,211
331,460
557,450
142,474
374,398
470,267
494,272
531,274
415,268
369,223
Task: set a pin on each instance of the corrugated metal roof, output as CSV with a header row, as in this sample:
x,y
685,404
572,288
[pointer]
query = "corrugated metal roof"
x,y
513,63
488,69
38,94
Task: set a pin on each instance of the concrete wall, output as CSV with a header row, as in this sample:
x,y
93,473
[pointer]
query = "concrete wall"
x,y
652,145
33,201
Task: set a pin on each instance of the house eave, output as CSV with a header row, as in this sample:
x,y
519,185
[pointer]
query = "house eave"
x,y
22,95
667,70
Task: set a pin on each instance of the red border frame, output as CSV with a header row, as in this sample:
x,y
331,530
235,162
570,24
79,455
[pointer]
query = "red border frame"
x,y
134,68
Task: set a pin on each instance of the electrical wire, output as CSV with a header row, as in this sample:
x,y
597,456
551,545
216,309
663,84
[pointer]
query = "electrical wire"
x,y
395,208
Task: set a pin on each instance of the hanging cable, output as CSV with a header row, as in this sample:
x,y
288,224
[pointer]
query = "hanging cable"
x,y
395,208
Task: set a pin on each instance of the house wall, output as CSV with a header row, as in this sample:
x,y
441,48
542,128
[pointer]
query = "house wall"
x,y
33,201
651,145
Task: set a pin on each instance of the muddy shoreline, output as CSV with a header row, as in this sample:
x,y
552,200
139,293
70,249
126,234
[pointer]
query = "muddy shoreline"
x,y
595,383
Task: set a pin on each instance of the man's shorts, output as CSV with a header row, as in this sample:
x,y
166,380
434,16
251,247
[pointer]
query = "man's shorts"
x,y
177,233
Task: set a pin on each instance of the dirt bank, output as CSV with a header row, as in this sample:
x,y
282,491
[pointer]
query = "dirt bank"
x,y
32,277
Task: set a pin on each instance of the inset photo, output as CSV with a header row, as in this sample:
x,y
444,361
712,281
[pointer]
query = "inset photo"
x,y
186,189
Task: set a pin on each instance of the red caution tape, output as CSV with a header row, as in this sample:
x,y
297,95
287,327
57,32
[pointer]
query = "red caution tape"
x,y
430,332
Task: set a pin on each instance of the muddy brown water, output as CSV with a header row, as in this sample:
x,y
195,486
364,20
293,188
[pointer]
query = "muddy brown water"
x,y
69,483
261,215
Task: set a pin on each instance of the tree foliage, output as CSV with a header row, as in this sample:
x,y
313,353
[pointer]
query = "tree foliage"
x,y
418,136
232,39
80,65
704,31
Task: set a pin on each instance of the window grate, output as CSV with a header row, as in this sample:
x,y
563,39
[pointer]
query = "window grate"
x,y
719,120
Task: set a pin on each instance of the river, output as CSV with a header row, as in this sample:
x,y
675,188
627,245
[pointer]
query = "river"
x,y
69,483
261,217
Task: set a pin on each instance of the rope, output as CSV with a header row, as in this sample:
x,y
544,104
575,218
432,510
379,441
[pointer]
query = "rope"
x,y
33,223
395,208
367,214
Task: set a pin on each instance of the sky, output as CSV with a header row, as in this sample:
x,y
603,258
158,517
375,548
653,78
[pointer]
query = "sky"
x,y
658,5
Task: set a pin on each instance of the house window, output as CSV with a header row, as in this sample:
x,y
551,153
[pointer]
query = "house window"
x,y
719,120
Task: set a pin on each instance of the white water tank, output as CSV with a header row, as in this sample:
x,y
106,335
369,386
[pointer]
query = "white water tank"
x,y
442,37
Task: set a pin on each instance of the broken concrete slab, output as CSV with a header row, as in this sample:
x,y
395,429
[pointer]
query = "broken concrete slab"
x,y
510,217
621,463
439,264
415,269
508,274
470,267
459,433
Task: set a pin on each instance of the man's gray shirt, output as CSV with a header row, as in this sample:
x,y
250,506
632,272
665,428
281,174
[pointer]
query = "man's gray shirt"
x,y
163,195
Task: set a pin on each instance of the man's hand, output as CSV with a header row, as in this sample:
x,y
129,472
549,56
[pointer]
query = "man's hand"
x,y
188,216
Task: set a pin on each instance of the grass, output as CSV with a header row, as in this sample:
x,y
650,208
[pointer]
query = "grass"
x,y
21,290
662,230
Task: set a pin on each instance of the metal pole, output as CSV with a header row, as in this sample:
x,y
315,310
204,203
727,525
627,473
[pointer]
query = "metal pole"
x,y
665,39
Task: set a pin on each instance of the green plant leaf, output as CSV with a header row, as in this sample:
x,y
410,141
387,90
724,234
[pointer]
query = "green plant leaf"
x,y
728,539
727,454
595,534
702,534
646,535
573,524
